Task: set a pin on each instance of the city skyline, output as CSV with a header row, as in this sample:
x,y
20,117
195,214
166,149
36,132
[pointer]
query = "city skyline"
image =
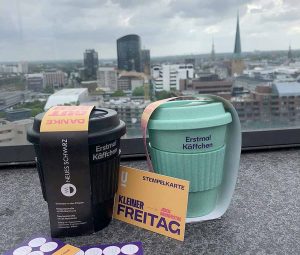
x,y
167,27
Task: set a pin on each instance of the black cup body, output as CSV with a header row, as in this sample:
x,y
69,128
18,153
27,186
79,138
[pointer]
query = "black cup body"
x,y
105,131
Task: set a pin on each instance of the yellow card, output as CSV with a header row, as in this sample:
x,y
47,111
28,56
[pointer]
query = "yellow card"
x,y
152,201
67,250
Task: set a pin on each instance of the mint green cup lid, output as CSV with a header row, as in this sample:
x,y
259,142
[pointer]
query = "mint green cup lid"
x,y
188,114
188,126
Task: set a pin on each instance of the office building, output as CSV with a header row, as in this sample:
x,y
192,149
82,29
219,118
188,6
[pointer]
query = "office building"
x,y
213,85
55,79
35,82
131,80
90,62
130,111
107,78
129,53
167,77
146,65
270,105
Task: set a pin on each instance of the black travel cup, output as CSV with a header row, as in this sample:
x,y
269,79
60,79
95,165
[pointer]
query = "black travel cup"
x,y
104,132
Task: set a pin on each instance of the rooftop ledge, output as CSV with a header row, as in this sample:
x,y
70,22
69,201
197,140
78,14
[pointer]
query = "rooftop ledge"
x,y
263,217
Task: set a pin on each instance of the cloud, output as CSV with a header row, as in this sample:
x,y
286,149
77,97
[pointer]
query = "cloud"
x,y
63,29
211,30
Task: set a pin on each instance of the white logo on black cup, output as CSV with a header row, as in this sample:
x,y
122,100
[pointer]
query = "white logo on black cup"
x,y
68,190
124,176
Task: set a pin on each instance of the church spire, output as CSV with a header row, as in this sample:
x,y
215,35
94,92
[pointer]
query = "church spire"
x,y
290,55
237,46
213,56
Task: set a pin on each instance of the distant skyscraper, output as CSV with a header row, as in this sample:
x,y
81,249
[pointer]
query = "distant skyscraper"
x,y
237,63
90,61
213,56
237,45
129,53
145,57
290,55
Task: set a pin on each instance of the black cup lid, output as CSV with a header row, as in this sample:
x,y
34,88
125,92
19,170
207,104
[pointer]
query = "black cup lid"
x,y
104,125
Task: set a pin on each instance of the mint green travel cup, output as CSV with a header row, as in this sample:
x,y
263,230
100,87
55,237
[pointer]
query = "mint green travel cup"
x,y
187,141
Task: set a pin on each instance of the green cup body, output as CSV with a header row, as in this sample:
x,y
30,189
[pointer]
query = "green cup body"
x,y
188,141
203,170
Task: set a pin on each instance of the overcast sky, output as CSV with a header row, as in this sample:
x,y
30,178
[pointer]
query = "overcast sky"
x,y
63,29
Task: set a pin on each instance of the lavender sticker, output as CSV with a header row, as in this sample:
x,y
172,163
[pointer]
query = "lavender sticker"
x,y
37,246
133,248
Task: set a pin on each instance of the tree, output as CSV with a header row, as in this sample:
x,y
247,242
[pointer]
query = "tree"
x,y
138,91
36,107
91,86
118,93
48,90
162,94
166,94
97,92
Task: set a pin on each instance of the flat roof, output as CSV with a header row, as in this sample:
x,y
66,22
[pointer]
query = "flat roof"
x,y
286,88
64,96
69,92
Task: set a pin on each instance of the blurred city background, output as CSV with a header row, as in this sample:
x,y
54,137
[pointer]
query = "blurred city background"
x,y
263,85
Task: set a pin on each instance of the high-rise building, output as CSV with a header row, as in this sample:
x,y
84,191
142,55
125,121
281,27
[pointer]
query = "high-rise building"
x,y
107,77
145,56
129,53
55,79
90,61
23,67
237,63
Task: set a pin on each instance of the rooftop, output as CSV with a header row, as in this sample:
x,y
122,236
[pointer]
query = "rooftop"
x,y
35,75
287,88
65,96
70,92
